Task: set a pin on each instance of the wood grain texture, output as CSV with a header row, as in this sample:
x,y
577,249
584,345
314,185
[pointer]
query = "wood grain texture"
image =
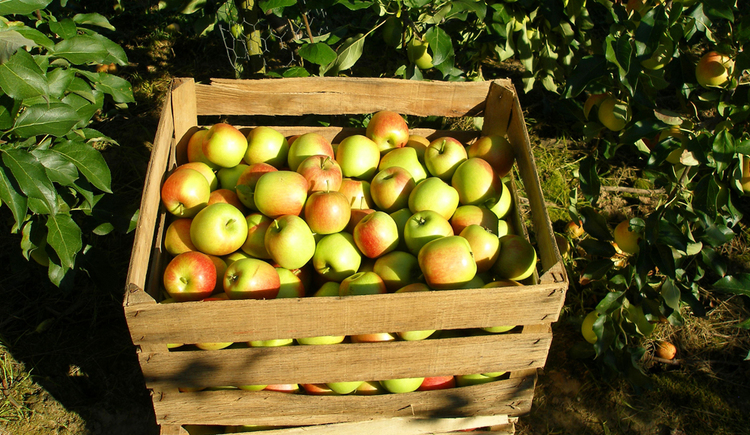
x,y
245,320
345,362
236,407
338,96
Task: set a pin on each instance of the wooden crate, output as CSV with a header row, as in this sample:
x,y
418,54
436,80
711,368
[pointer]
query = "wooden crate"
x,y
152,325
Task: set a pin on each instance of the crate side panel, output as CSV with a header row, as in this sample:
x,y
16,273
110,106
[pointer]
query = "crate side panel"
x,y
507,397
345,362
246,320
340,96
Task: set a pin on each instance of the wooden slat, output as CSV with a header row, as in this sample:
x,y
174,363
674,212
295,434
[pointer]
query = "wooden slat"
x,y
345,362
185,116
245,320
236,407
340,96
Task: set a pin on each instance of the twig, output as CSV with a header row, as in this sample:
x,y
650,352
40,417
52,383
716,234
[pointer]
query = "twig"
x,y
307,27
633,190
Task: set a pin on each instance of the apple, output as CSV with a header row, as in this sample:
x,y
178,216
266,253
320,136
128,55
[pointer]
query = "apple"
x,y
228,177
266,145
419,143
280,193
388,130
447,262
327,212
376,234
401,216
306,145
476,182
234,256
496,150
245,184
627,240
255,244
397,269
219,229
614,114
423,227
495,284
587,327
177,237
517,259
289,241
318,390
290,284
322,173
275,342
661,55
195,149
252,387
503,204
434,194
356,216
362,283
190,276
406,158
185,192
251,278
207,171
221,268
466,215
357,193
402,385
377,337
369,388
336,257
477,379
416,51
226,196
437,383
713,69
443,156
344,387
328,289
390,188
414,335
358,157
485,246
224,145
282,388
574,229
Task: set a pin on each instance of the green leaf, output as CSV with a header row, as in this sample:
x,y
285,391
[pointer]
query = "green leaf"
x,y
275,4
440,44
348,54
723,150
84,108
611,302
56,119
115,53
737,284
64,28
10,42
597,269
59,170
21,7
64,236
93,19
59,80
35,35
588,69
10,195
82,49
671,294
89,161
590,184
525,51
663,258
597,247
595,224
21,77
318,53
718,9
117,87
31,176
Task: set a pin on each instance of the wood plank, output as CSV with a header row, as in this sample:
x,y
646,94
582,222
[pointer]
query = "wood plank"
x,y
246,320
185,116
236,407
345,362
339,96
395,426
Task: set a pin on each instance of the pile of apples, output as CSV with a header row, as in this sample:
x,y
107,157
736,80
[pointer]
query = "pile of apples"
x,y
258,215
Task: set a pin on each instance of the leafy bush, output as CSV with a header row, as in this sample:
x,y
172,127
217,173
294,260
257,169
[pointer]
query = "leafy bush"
x,y
52,174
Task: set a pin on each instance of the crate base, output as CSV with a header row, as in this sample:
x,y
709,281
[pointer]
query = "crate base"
x,y
499,425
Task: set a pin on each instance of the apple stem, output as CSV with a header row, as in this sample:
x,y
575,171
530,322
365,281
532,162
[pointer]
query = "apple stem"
x,y
276,224
442,146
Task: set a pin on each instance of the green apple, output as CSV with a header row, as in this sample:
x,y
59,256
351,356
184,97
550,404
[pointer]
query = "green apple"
x,y
358,157
393,31
517,259
336,257
477,379
414,335
661,55
228,177
407,158
496,150
388,130
306,145
185,192
280,193
466,215
266,145
627,240
397,269
713,69
235,256
402,385
289,241
423,227
420,144
275,342
224,145
219,229
447,262
416,51
587,327
290,284
207,171
245,183
327,212
476,182
614,114
485,246
434,194
190,276
390,188
362,283
328,289
255,244
177,237
401,216
376,234
344,387
370,388
503,205
443,156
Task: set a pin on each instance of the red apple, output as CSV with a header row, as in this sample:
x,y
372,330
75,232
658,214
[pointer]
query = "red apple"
x,y
357,193
437,383
251,278
280,193
373,338
283,388
376,234
356,216
206,170
190,276
388,130
327,212
195,148
447,262
496,150
321,172
224,145
185,192
226,196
